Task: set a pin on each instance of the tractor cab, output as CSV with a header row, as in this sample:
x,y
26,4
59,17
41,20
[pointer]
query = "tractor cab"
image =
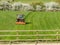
x,y
20,19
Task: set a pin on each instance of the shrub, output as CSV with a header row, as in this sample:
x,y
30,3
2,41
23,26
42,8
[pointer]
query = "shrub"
x,y
51,5
26,7
16,6
6,5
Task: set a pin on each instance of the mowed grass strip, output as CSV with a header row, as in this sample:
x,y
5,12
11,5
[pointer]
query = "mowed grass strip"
x,y
34,20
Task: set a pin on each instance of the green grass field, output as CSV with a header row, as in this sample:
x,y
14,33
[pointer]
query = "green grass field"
x,y
34,0
34,20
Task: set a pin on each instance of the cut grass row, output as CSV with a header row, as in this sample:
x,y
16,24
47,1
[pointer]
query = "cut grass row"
x,y
35,20
9,37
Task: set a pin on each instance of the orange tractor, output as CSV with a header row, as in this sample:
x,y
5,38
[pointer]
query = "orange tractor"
x,y
20,19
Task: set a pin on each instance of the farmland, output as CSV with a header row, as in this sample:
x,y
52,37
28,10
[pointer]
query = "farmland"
x,y
29,1
34,20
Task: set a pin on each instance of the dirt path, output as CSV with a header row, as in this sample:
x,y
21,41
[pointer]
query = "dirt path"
x,y
34,44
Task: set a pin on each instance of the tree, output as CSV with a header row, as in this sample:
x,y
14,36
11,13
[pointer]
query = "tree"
x,y
6,5
16,6
51,6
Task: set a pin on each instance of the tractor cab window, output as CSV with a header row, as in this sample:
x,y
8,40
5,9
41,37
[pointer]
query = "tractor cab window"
x,y
20,18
